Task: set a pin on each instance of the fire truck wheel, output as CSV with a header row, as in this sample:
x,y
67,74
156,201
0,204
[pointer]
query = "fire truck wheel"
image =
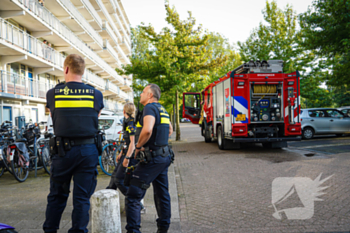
x,y
207,137
221,140
308,133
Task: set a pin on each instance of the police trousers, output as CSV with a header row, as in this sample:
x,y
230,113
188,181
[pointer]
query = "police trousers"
x,y
118,175
155,172
80,163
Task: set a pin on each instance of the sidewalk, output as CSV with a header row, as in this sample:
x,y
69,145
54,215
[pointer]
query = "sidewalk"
x,y
23,205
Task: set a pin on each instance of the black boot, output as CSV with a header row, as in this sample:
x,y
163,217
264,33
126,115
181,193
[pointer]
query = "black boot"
x,y
162,229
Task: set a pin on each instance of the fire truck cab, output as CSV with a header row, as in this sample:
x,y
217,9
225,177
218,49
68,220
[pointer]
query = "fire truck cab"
x,y
256,102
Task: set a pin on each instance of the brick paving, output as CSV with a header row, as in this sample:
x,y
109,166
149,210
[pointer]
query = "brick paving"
x,y
217,191
230,191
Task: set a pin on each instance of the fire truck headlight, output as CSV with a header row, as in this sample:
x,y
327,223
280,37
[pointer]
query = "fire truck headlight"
x,y
255,119
277,110
265,117
278,114
272,114
273,118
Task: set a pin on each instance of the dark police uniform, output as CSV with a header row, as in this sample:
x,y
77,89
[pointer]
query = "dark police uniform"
x,y
155,172
117,179
74,109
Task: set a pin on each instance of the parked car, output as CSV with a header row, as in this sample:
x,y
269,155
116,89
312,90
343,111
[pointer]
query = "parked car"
x,y
185,120
345,110
324,121
113,125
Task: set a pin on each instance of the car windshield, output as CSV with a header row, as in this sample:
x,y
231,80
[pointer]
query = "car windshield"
x,y
106,123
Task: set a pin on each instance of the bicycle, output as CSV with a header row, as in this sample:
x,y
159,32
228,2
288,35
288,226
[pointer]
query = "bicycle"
x,y
108,157
23,154
5,139
44,151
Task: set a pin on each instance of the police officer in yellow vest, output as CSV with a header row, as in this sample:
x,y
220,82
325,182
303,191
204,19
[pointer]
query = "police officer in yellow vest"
x,y
155,155
74,108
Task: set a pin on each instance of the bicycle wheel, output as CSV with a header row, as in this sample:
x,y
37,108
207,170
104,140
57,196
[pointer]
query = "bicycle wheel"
x,y
116,152
19,172
45,158
106,162
2,169
4,159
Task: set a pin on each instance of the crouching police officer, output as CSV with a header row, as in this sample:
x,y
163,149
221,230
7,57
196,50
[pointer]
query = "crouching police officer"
x,y
155,158
126,156
74,108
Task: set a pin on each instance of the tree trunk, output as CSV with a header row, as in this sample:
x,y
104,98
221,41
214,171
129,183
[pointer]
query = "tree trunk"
x,y
174,117
178,135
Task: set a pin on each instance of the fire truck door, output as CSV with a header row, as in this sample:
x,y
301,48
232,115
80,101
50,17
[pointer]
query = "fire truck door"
x,y
191,108
227,107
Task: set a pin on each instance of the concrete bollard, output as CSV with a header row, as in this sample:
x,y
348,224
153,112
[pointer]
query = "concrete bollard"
x,y
105,212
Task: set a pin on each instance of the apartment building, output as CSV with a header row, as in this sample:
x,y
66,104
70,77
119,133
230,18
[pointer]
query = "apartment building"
x,y
37,35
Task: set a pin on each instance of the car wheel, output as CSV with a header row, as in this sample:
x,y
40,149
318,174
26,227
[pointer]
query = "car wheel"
x,y
308,133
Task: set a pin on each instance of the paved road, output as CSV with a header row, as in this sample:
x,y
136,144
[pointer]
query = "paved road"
x,y
230,191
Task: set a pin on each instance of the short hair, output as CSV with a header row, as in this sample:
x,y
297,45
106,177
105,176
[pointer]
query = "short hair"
x,y
155,90
75,63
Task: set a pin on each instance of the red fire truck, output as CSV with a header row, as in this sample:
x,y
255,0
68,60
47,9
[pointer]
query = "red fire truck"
x,y
256,102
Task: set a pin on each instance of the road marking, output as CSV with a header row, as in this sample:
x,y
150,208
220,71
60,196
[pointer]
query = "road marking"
x,y
318,146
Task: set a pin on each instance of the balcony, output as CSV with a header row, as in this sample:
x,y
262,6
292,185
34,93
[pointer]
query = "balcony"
x,y
125,45
69,14
18,42
89,13
112,90
93,79
107,33
104,14
122,13
125,58
110,55
14,85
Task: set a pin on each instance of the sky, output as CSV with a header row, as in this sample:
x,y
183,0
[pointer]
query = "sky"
x,y
234,19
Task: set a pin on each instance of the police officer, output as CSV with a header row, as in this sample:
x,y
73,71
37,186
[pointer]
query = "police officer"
x,y
153,142
125,158
74,108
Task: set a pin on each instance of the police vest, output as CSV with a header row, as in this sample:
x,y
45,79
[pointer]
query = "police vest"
x,y
160,134
138,131
126,133
74,115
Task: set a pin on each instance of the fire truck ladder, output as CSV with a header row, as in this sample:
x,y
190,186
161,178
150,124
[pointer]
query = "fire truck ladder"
x,y
270,66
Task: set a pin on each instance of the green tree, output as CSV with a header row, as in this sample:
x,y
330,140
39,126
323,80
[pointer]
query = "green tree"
x,y
325,28
277,38
177,58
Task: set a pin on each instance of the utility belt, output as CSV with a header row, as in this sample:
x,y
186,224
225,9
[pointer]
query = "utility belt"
x,y
60,145
147,155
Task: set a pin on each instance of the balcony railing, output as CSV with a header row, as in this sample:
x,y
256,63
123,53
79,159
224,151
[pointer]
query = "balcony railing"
x,y
13,83
109,30
93,79
112,87
109,48
125,58
23,40
66,33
